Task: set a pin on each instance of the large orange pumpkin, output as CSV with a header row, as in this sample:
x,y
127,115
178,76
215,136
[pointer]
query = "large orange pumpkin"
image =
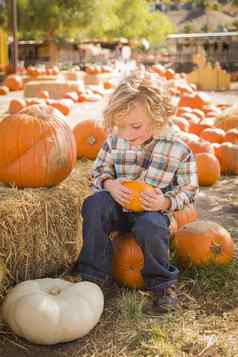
x,y
209,170
13,82
89,138
204,243
136,188
186,215
127,261
228,119
37,147
227,154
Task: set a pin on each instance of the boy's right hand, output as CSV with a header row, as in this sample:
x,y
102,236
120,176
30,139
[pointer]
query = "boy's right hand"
x,y
120,193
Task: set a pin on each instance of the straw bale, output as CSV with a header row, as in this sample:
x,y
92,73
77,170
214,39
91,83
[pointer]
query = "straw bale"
x,y
52,77
97,78
40,229
73,75
57,89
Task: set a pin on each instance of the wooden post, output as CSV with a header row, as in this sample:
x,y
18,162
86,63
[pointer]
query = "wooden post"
x,y
14,35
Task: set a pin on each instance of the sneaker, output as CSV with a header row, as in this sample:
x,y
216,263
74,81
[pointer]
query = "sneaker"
x,y
166,301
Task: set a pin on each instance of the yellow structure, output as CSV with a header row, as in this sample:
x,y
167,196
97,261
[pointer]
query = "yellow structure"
x,y
208,77
3,48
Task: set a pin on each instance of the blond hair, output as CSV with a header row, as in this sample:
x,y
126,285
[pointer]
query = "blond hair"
x,y
143,87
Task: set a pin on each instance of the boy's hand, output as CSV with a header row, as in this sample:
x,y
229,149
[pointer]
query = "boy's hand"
x,y
154,201
119,192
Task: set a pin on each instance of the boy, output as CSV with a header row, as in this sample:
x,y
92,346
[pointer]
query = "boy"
x,y
136,110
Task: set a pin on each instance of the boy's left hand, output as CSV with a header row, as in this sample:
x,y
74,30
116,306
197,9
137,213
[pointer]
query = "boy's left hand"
x,y
154,201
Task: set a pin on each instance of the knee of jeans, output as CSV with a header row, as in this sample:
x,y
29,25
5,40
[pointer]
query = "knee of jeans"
x,y
154,219
99,201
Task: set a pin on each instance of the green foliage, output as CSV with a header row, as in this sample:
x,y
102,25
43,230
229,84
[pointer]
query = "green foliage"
x,y
136,21
105,19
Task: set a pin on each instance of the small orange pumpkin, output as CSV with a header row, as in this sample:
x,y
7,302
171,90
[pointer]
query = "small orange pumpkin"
x,y
13,82
136,188
89,138
16,105
72,95
209,169
63,105
4,90
231,136
181,122
127,261
107,84
44,94
186,215
213,135
203,243
195,101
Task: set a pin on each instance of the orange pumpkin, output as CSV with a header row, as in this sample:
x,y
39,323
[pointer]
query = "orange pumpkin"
x,y
107,84
227,154
203,243
72,95
4,90
209,170
198,146
136,188
63,105
89,138
199,113
13,82
231,136
181,122
169,74
213,135
186,215
159,69
195,101
16,105
181,110
40,147
44,94
228,119
127,261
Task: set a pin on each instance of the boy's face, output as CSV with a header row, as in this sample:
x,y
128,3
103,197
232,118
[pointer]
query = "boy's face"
x,y
136,126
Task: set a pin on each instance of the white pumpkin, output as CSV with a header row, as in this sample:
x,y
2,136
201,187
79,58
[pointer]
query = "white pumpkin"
x,y
49,311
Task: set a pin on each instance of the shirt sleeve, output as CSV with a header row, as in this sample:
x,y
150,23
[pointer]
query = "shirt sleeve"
x,y
103,167
187,183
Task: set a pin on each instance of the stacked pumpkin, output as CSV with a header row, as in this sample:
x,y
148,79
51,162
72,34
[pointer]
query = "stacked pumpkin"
x,y
200,243
212,134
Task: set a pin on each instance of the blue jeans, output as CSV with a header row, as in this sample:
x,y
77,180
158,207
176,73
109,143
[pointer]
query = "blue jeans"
x,y
101,216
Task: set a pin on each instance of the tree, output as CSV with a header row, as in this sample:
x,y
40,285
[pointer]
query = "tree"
x,y
136,21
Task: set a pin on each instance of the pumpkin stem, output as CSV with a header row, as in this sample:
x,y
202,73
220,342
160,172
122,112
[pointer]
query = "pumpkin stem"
x,y
216,249
54,291
91,140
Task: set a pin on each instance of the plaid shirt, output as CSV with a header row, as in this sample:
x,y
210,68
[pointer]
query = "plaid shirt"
x,y
165,163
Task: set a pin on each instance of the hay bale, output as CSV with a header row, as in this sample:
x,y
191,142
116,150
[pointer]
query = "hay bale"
x,y
57,89
40,229
97,79
73,75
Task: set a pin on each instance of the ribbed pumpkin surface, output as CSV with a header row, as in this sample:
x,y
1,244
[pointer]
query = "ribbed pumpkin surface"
x,y
37,148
